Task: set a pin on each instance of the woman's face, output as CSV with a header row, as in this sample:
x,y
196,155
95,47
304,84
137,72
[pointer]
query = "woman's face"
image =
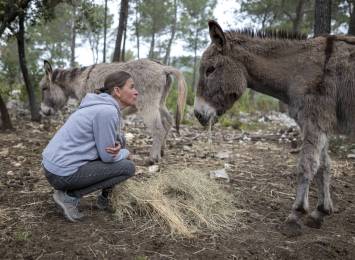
x,y
127,95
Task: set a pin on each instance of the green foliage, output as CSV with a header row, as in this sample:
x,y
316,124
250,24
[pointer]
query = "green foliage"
x,y
261,103
281,14
48,36
129,55
252,126
195,16
173,95
155,19
41,39
247,105
229,122
10,73
154,16
90,18
184,64
52,39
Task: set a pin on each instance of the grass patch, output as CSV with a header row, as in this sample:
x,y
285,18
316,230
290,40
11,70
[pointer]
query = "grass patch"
x,y
228,122
183,201
253,126
21,235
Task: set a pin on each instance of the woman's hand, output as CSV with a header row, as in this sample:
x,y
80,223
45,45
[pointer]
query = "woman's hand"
x,y
113,150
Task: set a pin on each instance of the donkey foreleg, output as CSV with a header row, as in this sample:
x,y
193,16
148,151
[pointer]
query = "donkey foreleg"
x,y
313,143
325,204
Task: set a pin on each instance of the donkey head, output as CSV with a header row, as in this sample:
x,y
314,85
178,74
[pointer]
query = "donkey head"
x,y
53,95
222,78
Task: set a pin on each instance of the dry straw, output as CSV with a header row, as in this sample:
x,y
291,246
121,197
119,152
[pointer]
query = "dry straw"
x,y
185,201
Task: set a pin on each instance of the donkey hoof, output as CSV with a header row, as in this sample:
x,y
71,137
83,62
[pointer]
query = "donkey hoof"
x,y
292,228
313,222
149,162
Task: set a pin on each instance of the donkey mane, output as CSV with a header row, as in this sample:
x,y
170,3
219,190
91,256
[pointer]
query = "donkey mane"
x,y
274,34
64,75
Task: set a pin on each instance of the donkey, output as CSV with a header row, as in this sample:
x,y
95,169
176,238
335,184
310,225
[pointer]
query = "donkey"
x,y
315,77
152,81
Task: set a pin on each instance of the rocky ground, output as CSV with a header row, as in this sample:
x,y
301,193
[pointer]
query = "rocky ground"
x,y
261,168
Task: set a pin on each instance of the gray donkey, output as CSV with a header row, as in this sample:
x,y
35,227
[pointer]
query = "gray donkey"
x,y
152,81
315,77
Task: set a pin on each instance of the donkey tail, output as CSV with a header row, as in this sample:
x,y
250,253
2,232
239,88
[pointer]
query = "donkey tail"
x,y
182,92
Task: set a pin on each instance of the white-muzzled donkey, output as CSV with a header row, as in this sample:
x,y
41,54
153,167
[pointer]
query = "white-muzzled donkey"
x,y
152,80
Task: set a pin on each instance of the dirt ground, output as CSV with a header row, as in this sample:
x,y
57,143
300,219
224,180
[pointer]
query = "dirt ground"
x,y
262,173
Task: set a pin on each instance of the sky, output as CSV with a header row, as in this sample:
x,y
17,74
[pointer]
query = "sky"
x,y
223,13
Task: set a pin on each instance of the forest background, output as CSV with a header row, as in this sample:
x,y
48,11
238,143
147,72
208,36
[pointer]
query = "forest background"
x,y
172,31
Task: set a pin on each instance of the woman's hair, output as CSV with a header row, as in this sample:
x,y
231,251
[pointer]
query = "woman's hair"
x,y
116,79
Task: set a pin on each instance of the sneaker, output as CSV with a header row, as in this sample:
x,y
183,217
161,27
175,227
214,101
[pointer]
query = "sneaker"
x,y
68,204
103,203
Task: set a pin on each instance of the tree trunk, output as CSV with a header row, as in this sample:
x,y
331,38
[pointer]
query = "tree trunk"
x,y
322,17
97,50
351,30
73,38
35,116
121,27
5,118
105,33
195,61
173,30
152,45
124,45
137,27
299,16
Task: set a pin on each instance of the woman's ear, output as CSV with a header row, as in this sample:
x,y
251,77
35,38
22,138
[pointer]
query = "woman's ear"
x,y
116,92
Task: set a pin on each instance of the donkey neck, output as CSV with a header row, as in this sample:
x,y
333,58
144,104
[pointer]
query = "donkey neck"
x,y
270,65
71,80
268,77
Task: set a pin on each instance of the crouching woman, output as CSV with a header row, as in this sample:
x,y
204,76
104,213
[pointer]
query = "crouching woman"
x,y
87,153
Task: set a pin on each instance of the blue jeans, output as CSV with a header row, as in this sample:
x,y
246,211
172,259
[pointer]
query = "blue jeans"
x,y
93,176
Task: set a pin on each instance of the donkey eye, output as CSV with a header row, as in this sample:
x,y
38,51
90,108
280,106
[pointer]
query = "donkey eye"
x,y
210,70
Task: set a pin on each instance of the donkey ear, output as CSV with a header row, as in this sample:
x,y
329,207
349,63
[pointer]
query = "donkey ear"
x,y
216,34
48,68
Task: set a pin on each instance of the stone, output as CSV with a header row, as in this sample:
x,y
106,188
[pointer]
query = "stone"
x,y
153,168
220,174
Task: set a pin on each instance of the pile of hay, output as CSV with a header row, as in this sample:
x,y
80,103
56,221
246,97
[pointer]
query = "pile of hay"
x,y
185,201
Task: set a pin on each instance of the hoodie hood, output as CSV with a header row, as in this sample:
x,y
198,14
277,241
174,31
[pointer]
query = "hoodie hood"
x,y
92,99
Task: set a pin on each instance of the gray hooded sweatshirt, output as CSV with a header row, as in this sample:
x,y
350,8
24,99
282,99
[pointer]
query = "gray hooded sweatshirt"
x,y
84,136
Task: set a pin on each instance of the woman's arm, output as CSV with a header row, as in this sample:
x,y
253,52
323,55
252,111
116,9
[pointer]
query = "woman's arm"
x,y
104,127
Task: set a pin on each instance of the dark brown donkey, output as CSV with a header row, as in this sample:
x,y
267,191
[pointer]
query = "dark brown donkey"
x,y
315,77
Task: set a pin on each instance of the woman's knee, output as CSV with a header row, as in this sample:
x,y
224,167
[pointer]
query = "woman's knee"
x,y
130,167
